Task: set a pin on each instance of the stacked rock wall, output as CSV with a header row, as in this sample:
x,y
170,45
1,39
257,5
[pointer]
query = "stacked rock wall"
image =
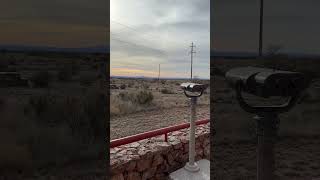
x,y
154,158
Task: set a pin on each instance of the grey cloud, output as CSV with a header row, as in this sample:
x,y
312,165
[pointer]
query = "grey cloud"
x,y
291,23
170,25
60,11
131,49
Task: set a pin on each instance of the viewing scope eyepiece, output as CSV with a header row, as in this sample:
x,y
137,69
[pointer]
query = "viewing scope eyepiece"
x,y
265,82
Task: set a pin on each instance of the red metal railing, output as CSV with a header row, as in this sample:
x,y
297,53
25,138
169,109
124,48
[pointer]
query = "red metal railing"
x,y
153,133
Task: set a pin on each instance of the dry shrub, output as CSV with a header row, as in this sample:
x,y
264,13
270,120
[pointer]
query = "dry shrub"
x,y
41,79
123,86
130,84
125,102
13,156
53,130
86,79
145,86
141,97
65,74
118,106
166,91
2,103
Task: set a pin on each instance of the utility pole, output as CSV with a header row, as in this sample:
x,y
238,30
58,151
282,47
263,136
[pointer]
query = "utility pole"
x,y
261,29
159,78
191,53
159,73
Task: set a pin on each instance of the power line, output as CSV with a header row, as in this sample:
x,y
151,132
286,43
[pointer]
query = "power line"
x,y
135,43
138,31
130,27
118,34
138,45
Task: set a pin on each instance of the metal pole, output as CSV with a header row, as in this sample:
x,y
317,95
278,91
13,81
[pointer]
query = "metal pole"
x,y
191,60
261,29
192,52
159,79
266,135
191,165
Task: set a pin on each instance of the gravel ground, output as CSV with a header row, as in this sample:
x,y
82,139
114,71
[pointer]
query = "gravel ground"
x,y
131,124
82,170
296,158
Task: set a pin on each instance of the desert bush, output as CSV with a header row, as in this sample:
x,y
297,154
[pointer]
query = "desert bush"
x,y
166,91
86,79
2,103
118,106
141,97
126,96
126,102
41,79
74,67
37,105
123,86
130,84
53,130
144,97
64,74
145,86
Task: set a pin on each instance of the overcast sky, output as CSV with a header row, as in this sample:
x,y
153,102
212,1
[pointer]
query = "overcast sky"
x,y
293,24
62,23
146,33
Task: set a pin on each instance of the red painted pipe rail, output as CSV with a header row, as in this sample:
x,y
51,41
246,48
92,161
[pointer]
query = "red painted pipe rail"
x,y
153,133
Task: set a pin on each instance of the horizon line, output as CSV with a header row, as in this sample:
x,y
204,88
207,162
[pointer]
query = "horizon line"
x,y
150,77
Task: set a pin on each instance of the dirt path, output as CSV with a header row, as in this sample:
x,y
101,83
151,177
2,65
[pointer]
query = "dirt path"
x,y
296,158
145,121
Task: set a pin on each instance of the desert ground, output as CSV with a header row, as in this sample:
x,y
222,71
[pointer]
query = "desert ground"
x,y
53,115
233,149
140,105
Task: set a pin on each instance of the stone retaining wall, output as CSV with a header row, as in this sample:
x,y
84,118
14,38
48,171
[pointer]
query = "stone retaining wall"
x,y
154,158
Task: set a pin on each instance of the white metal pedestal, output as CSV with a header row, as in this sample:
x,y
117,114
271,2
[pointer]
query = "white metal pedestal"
x,y
202,174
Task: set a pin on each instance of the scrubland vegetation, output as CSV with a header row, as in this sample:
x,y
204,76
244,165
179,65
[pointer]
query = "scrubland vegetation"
x,y
58,118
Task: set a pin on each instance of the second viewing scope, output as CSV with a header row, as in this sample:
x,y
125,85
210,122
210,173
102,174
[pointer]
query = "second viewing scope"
x,y
265,82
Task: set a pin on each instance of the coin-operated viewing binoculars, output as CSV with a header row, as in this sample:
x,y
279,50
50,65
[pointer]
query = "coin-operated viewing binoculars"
x,y
266,83
192,91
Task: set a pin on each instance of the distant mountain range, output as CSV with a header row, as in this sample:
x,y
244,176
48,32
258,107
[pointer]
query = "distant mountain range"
x,y
26,48
106,49
247,55
145,77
